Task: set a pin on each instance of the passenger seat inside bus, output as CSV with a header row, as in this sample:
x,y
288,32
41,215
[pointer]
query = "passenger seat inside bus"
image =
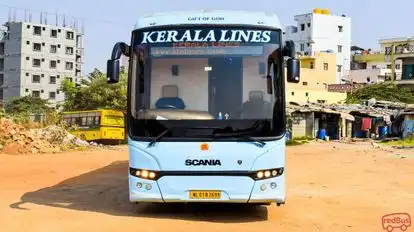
x,y
256,107
170,98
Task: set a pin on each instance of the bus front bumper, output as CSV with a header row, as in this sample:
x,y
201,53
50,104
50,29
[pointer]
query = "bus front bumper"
x,y
174,189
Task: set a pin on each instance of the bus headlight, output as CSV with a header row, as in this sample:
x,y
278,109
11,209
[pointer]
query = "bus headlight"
x,y
268,173
144,174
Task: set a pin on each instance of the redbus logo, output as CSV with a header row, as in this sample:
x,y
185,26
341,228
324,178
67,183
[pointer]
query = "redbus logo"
x,y
396,221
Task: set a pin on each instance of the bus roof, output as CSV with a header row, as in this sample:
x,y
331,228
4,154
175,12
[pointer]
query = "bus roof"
x,y
110,111
210,17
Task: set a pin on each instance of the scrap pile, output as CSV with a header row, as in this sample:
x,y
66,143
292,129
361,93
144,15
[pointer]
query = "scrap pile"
x,y
15,139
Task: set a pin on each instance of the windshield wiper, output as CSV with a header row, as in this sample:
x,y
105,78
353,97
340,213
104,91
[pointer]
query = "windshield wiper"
x,y
159,137
241,134
162,134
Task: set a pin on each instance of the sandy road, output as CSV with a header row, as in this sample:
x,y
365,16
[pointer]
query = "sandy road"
x,y
331,187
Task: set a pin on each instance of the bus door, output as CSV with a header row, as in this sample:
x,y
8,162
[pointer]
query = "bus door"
x,y
226,86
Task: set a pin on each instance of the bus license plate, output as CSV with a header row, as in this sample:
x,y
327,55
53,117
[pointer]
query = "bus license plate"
x,y
205,194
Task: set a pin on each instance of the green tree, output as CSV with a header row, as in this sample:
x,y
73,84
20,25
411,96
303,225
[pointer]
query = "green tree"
x,y
26,105
96,93
386,91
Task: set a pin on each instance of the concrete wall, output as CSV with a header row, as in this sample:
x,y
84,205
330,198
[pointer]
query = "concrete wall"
x,y
313,86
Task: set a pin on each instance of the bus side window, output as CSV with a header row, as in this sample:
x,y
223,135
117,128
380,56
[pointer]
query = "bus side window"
x,y
89,121
78,121
84,121
97,120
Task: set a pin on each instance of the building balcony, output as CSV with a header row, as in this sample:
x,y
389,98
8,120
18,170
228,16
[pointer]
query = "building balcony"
x,y
375,57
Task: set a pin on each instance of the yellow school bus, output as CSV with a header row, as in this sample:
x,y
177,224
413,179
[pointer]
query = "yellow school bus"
x,y
101,125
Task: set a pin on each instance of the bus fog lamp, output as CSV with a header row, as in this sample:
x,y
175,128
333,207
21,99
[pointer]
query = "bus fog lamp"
x,y
263,187
273,185
139,185
148,187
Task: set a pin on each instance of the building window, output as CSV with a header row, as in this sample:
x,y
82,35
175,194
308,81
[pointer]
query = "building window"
x,y
340,28
69,50
53,64
325,66
37,47
339,68
36,93
302,27
36,62
305,83
37,30
28,42
36,79
70,35
52,95
293,93
388,66
69,66
397,66
307,94
53,33
311,65
1,48
1,94
302,47
1,79
339,48
52,80
27,58
309,24
53,49
374,67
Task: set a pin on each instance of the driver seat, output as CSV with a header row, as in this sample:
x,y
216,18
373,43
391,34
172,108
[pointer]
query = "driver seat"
x,y
170,97
256,107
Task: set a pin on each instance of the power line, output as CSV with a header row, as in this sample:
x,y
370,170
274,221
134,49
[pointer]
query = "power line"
x,y
62,15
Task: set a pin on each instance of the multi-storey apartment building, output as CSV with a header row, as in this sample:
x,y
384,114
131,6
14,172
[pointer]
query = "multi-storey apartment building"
x,y
321,31
35,58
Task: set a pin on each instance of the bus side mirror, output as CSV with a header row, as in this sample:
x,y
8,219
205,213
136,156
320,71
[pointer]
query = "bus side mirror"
x,y
112,71
269,84
293,70
112,66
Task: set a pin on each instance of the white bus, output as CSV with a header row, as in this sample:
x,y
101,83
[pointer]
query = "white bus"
x,y
206,107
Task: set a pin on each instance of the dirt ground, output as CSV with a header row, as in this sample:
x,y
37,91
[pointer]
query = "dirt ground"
x,y
331,187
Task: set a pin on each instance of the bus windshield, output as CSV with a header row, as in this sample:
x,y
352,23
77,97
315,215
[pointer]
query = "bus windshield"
x,y
214,77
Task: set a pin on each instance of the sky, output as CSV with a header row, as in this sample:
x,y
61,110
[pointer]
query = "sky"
x,y
107,22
